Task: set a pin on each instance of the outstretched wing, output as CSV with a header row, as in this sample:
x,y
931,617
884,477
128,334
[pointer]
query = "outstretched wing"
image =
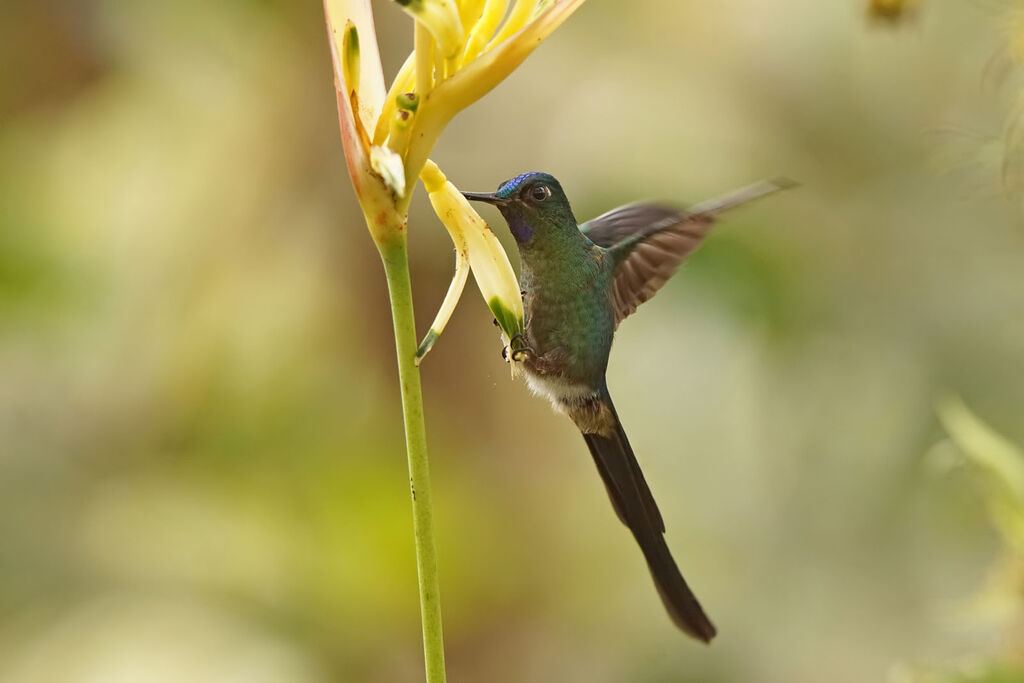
x,y
658,239
651,241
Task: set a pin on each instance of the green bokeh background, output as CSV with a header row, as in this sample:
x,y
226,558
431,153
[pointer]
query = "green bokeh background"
x,y
202,471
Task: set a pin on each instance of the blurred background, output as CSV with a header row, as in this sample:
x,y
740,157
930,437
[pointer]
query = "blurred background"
x,y
202,470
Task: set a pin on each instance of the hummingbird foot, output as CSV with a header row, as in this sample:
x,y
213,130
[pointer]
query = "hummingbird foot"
x,y
523,354
518,349
520,355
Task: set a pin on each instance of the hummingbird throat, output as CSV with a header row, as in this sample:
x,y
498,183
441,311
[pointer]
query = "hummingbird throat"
x,y
519,228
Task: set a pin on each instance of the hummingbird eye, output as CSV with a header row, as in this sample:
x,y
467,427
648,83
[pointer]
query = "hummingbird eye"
x,y
539,193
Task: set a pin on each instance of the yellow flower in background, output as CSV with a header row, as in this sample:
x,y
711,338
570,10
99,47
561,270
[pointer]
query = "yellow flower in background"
x,y
461,51
891,10
999,464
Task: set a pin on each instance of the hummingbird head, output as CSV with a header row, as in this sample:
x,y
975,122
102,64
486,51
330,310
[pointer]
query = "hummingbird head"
x,y
530,202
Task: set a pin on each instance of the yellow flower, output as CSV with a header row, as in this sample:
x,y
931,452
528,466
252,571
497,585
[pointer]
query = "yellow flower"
x,y
462,50
460,54
476,248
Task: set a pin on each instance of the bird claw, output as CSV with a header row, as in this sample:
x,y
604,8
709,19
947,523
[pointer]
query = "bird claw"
x,y
523,354
519,350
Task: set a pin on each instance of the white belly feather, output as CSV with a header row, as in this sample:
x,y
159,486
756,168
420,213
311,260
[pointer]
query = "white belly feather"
x,y
557,390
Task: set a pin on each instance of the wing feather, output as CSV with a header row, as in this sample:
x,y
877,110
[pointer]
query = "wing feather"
x,y
651,241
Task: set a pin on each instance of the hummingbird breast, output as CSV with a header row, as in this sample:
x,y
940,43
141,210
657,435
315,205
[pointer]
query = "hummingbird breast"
x,y
569,324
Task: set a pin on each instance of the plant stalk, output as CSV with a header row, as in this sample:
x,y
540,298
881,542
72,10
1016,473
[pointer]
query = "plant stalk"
x,y
394,253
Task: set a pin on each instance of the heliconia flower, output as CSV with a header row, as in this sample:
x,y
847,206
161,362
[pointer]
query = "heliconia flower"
x,y
462,50
460,55
475,247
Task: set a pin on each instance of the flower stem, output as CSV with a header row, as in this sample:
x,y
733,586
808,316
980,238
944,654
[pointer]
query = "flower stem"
x,y
393,251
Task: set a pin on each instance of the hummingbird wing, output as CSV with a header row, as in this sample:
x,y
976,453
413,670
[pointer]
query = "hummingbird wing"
x,y
650,241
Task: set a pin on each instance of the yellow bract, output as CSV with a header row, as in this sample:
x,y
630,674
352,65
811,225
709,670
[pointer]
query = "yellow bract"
x,y
487,259
441,18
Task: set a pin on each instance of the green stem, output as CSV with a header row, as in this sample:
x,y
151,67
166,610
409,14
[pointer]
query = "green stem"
x,y
394,253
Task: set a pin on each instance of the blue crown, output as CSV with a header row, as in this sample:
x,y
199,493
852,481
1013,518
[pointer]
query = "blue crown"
x,y
508,188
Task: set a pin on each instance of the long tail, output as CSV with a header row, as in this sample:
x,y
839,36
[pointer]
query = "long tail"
x,y
635,506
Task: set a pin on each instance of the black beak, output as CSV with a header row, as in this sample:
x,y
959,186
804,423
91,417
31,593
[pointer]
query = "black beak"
x,y
485,197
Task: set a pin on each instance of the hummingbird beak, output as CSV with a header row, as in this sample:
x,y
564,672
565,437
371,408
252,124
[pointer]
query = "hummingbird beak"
x,y
485,197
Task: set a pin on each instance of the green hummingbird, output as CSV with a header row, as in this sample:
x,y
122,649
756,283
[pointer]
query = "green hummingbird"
x,y
578,282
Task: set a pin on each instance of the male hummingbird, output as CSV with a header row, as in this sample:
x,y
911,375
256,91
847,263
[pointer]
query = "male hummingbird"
x,y
578,282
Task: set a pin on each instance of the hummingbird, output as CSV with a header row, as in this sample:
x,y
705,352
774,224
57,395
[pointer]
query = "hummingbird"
x,y
578,282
